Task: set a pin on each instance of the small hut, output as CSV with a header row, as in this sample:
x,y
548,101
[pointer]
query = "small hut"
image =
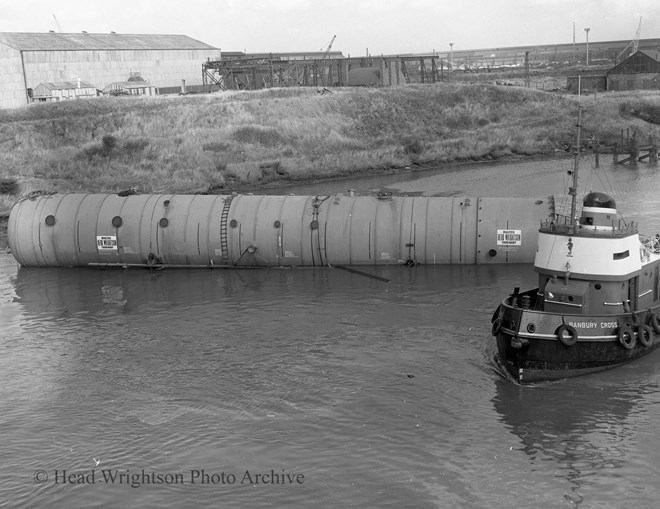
x,y
136,85
63,91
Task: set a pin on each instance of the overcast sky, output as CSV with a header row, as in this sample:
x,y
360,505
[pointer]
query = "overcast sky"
x,y
387,27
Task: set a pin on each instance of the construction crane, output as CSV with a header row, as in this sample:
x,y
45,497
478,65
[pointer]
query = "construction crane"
x,y
57,23
637,34
325,55
634,44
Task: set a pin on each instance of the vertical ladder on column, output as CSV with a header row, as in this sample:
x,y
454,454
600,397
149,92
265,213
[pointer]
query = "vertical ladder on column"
x,y
224,245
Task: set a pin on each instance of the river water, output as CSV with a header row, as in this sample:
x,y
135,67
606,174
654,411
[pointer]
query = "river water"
x,y
301,387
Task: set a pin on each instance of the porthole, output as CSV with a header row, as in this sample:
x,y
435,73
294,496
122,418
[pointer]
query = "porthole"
x,y
117,221
163,222
50,220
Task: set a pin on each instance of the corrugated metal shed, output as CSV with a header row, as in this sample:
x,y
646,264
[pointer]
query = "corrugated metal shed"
x,y
640,71
638,62
66,85
82,42
63,90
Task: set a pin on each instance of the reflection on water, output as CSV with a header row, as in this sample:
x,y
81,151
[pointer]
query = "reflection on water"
x,y
381,394
587,429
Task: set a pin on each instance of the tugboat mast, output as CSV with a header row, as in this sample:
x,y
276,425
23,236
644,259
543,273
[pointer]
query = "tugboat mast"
x,y
573,189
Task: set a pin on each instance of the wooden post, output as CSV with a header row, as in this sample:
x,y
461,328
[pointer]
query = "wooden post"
x,y
653,156
615,153
634,149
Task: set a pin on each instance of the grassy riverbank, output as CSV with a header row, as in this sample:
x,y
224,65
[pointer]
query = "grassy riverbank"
x,y
234,140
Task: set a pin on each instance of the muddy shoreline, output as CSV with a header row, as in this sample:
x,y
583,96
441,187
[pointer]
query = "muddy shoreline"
x,y
374,172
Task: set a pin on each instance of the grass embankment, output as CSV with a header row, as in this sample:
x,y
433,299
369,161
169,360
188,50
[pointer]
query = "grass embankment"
x,y
224,141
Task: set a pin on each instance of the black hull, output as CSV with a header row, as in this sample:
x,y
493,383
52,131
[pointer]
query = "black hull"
x,y
544,360
536,346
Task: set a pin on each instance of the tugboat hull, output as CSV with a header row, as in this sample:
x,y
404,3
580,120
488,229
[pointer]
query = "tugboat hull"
x,y
538,346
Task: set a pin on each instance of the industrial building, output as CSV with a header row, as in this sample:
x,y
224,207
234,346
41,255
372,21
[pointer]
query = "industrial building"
x,y
575,53
42,60
640,71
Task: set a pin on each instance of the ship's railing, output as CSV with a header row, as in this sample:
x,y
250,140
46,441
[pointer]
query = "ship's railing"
x,y
563,224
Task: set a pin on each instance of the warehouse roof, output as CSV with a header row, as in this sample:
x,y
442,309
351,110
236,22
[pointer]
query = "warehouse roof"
x,y
55,41
637,63
66,85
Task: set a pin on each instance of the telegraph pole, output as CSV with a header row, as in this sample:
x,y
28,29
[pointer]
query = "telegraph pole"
x,y
587,31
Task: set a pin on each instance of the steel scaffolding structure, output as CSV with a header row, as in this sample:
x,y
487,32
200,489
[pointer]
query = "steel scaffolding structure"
x,y
267,72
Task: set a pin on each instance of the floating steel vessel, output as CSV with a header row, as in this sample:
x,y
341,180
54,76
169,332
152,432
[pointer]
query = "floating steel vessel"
x,y
243,231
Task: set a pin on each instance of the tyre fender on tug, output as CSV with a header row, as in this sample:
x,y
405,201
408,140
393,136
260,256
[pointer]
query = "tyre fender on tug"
x,y
645,335
654,322
627,337
567,334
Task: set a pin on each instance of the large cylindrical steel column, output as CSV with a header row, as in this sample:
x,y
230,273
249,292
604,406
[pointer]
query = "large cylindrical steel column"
x,y
247,230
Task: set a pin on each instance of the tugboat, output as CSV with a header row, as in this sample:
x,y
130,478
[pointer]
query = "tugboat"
x,y
598,299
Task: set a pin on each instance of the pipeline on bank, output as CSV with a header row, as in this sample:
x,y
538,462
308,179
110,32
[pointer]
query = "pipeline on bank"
x,y
158,230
